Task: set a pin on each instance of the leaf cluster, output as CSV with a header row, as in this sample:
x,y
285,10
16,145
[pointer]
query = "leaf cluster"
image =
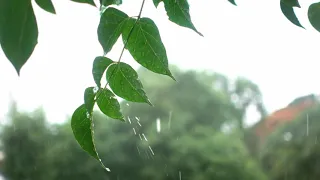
x,y
142,39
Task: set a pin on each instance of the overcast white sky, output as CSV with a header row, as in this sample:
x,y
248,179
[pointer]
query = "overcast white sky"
x,y
253,40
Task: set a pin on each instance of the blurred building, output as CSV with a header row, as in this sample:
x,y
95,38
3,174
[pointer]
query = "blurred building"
x,y
263,128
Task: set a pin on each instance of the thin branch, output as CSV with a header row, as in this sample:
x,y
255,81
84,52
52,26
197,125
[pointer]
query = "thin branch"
x,y
125,44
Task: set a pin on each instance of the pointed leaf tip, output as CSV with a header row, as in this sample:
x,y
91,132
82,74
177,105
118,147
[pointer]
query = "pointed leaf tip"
x,y
291,3
172,77
178,12
290,14
233,2
46,5
156,2
19,31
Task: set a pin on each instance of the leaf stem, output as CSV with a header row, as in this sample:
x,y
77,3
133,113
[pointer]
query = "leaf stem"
x,y
142,5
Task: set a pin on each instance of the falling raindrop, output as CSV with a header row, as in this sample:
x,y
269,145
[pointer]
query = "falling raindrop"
x,y
138,150
158,125
140,137
139,123
145,138
129,119
127,104
307,124
180,175
138,119
170,116
165,169
151,150
134,131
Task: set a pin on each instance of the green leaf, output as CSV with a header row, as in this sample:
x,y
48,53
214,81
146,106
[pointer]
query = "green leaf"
x,y
291,3
145,45
232,2
110,27
100,64
46,5
108,104
124,82
18,31
91,2
289,13
81,124
178,12
110,2
314,15
156,2
89,95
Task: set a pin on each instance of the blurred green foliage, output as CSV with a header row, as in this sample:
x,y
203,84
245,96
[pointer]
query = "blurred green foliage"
x,y
201,121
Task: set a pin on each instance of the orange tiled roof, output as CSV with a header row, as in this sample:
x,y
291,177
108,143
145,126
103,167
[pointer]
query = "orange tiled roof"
x,y
281,116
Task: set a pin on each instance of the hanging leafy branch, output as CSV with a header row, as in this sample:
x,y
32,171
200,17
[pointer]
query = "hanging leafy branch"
x,y
140,36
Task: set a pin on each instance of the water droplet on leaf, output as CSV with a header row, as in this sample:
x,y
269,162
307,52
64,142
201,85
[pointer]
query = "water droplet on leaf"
x,y
95,90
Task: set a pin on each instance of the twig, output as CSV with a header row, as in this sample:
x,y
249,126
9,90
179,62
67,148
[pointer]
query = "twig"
x,y
125,45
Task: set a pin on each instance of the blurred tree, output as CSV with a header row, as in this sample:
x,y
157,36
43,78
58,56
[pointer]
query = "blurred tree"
x,y
25,141
246,93
36,150
293,151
